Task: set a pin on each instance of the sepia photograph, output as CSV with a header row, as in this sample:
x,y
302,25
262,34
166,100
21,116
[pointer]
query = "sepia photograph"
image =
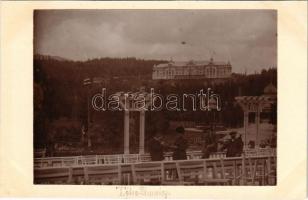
x,y
155,97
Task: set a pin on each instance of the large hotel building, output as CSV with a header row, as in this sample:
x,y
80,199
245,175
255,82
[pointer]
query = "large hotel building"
x,y
192,70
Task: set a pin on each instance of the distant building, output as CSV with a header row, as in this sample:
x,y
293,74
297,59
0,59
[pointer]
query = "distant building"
x,y
192,70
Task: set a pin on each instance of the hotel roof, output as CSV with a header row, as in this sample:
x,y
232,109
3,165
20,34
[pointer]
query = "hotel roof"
x,y
191,63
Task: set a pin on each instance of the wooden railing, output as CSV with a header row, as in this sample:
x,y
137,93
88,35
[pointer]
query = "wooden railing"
x,y
253,170
131,158
103,159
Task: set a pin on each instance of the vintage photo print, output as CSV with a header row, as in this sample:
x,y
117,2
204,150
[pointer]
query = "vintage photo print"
x,y
155,97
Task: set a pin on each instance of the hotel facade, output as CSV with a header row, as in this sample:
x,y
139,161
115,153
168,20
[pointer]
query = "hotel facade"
x,y
192,70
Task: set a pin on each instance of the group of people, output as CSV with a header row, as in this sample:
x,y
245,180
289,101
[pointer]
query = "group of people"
x,y
234,146
157,146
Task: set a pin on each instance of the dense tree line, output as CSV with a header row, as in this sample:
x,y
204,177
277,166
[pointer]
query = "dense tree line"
x,y
59,93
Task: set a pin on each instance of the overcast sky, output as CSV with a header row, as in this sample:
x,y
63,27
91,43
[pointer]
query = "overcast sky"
x,y
246,38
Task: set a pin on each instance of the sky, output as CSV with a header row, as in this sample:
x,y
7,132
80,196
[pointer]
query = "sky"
x,y
245,38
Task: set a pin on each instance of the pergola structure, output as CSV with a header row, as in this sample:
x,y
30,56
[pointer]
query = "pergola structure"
x,y
257,104
128,104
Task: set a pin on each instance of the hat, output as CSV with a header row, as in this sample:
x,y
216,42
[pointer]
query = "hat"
x,y
233,133
180,129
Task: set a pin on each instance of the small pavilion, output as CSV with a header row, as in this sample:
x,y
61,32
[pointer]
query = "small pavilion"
x,y
257,104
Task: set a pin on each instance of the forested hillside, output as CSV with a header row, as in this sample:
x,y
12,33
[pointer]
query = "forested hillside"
x,y
59,93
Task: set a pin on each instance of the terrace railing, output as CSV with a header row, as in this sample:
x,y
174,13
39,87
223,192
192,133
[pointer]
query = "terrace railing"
x,y
132,158
253,170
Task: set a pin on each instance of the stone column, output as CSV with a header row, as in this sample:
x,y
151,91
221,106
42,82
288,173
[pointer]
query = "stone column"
x,y
246,114
257,124
141,132
126,132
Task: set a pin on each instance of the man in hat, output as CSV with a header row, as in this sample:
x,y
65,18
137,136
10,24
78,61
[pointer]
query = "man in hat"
x,y
232,146
210,144
239,145
156,148
180,145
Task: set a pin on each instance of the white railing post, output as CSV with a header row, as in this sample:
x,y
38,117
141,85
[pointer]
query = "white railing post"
x,y
126,132
141,136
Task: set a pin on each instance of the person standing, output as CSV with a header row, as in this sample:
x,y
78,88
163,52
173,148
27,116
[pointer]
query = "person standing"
x,y
239,145
210,144
156,148
180,145
232,146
